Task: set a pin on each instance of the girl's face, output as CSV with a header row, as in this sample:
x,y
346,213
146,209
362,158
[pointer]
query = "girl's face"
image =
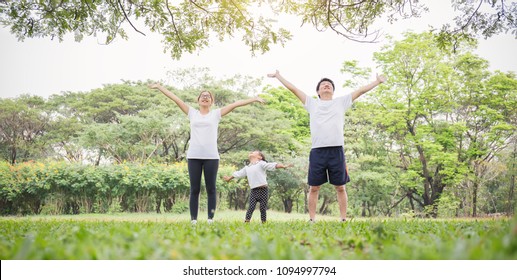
x,y
255,156
205,99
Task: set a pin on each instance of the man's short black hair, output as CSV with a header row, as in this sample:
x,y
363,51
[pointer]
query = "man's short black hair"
x,y
325,80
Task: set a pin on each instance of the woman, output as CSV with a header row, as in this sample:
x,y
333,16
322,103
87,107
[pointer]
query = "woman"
x,y
202,154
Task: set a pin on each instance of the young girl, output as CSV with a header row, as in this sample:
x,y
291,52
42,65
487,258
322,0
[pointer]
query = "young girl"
x,y
256,174
202,153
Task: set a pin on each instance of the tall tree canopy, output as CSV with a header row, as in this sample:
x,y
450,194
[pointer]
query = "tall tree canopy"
x,y
187,25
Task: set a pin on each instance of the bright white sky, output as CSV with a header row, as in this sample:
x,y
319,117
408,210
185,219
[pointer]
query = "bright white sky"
x,y
44,67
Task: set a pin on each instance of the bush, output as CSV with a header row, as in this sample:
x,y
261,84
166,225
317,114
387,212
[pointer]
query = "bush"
x,y
71,188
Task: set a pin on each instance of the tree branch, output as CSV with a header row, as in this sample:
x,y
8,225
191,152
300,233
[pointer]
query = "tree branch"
x,y
416,199
174,24
470,18
199,7
125,15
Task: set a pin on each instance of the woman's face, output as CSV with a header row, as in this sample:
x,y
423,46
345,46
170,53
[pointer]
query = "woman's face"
x,y
205,99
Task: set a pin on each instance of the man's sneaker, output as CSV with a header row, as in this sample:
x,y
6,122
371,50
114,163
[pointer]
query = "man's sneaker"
x,y
210,221
193,222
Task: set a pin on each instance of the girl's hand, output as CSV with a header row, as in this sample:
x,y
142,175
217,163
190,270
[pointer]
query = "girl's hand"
x,y
227,178
258,99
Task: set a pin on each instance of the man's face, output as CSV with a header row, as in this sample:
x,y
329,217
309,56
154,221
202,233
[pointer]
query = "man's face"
x,y
326,89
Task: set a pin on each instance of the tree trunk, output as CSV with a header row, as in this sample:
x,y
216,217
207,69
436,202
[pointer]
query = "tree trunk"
x,y
306,199
158,205
511,195
475,188
240,199
13,156
97,162
288,205
324,206
474,198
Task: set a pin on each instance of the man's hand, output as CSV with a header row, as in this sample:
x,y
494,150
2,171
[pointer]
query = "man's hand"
x,y
381,78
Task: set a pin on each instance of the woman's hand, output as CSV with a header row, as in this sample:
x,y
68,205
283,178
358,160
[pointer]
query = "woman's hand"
x,y
274,75
258,99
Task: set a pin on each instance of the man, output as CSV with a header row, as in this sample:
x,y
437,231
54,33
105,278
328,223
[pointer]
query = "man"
x,y
327,161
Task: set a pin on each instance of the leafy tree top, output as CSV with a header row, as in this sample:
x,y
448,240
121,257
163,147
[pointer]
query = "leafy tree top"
x,y
188,25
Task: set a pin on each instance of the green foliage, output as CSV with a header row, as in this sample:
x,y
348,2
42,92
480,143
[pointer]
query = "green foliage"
x,y
292,111
61,188
132,237
440,113
286,187
443,124
187,26
23,122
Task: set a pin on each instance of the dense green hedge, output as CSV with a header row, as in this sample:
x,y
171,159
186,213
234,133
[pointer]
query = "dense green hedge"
x,y
68,188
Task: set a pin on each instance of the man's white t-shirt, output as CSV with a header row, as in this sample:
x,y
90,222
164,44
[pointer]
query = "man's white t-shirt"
x,y
203,134
256,173
327,118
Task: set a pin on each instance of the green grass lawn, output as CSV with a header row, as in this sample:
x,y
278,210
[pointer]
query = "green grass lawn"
x,y
285,236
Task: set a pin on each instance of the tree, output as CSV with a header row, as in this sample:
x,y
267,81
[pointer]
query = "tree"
x,y
486,113
64,131
479,18
415,112
447,116
292,109
23,122
187,25
374,181
287,185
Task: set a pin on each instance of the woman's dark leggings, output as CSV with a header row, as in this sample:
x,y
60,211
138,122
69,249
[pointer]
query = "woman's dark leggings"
x,y
209,168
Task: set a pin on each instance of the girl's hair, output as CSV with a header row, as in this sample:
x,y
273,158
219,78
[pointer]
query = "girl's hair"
x,y
211,95
262,155
247,162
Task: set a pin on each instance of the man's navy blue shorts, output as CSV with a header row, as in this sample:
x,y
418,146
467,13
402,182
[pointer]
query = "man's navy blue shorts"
x,y
327,164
